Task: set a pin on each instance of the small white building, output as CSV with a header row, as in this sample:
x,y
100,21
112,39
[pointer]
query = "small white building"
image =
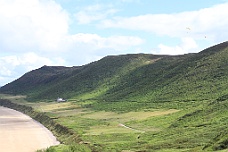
x,y
60,100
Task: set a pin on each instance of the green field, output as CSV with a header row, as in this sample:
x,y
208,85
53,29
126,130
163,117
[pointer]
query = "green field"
x,y
177,126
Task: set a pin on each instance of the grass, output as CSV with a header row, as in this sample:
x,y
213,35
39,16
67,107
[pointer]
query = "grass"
x,y
159,129
117,126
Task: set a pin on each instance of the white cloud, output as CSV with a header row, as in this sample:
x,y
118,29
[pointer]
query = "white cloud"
x,y
29,59
12,66
188,45
97,42
32,24
42,25
94,13
89,47
209,22
83,48
5,80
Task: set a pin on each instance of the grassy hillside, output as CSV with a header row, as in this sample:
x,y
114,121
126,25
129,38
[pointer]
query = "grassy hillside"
x,y
190,77
40,78
136,102
133,77
94,77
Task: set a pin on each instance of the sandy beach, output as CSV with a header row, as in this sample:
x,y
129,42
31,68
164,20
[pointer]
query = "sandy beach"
x,y
20,133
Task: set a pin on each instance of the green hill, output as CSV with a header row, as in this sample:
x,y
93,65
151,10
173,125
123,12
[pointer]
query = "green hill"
x,y
140,77
35,79
168,103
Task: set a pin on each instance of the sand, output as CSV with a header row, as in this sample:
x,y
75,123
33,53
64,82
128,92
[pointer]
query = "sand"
x,y
20,133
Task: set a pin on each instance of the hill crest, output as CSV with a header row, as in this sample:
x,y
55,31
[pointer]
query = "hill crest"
x,y
130,77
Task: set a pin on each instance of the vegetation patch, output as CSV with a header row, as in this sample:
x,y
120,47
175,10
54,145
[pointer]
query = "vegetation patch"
x,y
133,102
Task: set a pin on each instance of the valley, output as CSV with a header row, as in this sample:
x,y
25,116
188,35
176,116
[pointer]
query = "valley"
x,y
184,126
131,103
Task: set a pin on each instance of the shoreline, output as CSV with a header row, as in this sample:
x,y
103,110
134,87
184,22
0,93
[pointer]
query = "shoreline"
x,y
21,133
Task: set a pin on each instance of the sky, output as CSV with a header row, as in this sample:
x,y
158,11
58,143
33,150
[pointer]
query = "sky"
x,y
34,33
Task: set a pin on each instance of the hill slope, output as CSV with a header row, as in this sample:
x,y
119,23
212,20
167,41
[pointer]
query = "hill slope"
x,y
39,78
124,90
141,77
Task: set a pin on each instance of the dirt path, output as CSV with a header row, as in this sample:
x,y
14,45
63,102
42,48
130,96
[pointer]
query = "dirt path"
x,y
122,125
20,133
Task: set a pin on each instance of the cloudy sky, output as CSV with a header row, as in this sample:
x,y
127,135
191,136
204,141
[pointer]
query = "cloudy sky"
x,y
34,33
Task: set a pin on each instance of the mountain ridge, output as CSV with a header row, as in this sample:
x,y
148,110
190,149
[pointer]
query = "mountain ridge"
x,y
130,77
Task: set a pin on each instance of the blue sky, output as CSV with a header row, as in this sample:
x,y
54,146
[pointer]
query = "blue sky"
x,y
34,33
